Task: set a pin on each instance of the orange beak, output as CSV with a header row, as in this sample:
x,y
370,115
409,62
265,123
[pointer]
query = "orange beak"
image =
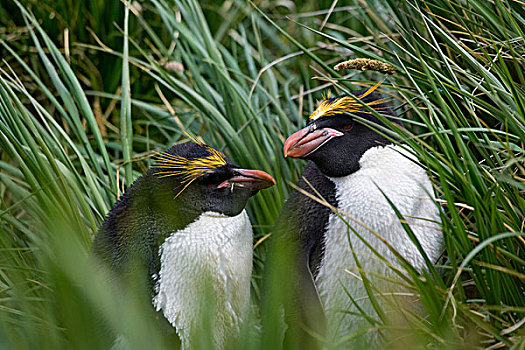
x,y
254,179
308,140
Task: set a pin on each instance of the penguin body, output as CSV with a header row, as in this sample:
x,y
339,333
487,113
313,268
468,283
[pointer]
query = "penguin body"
x,y
183,224
360,167
384,171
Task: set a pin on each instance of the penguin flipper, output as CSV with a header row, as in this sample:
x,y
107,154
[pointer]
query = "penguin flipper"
x,y
289,286
296,252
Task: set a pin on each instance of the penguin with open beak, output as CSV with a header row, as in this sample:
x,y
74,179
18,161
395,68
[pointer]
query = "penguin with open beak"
x,y
357,171
184,223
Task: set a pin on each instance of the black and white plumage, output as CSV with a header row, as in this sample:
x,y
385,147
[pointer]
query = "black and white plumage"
x,y
353,168
183,223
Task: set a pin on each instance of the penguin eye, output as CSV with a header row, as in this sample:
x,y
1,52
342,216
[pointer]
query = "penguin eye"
x,y
347,127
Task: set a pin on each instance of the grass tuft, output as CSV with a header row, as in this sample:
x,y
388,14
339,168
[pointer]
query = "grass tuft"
x,y
88,93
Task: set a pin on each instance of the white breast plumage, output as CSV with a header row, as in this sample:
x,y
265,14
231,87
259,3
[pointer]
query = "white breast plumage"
x,y
406,184
205,276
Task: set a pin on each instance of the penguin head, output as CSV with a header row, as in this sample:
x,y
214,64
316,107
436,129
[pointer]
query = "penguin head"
x,y
333,139
196,177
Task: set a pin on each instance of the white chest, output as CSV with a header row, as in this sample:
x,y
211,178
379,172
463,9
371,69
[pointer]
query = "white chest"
x,y
359,197
204,276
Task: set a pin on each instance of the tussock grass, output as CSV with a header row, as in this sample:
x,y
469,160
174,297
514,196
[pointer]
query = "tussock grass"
x,y
79,119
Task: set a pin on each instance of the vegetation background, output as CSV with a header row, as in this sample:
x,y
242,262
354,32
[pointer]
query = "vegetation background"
x,y
90,90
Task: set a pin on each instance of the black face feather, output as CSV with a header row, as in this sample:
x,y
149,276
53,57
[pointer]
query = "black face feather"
x,y
197,178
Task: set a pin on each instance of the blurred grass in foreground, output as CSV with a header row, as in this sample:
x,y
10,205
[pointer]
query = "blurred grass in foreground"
x,y
459,89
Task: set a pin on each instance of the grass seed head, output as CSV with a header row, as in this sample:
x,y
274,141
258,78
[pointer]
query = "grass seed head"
x,y
366,64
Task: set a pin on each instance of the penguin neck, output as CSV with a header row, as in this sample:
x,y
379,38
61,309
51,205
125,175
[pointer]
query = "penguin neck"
x,y
166,212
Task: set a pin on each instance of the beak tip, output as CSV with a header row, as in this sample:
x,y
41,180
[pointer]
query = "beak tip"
x,y
306,141
258,178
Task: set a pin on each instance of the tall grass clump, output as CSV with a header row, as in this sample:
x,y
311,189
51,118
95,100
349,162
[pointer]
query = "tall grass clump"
x,y
242,75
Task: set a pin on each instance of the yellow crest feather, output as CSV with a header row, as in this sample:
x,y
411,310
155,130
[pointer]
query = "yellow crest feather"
x,y
348,104
189,169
